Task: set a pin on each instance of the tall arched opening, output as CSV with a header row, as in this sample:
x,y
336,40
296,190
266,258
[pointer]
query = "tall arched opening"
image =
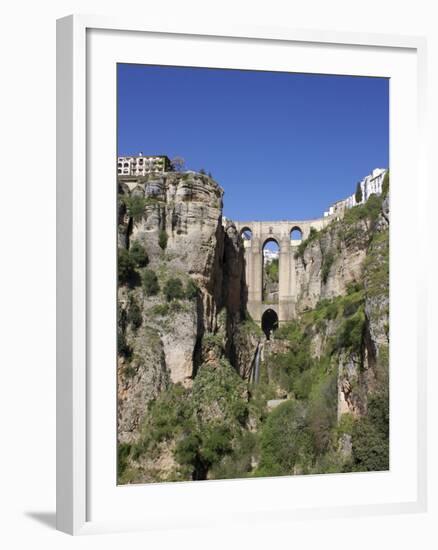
x,y
270,271
296,234
269,322
246,234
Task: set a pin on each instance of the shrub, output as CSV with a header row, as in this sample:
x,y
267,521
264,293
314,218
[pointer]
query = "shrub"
x,y
313,235
327,263
125,266
353,287
218,411
378,411
150,283
138,254
288,331
248,326
169,414
202,449
238,462
272,270
191,290
331,311
135,206
366,212
346,424
123,452
322,414
302,384
373,207
218,387
376,265
283,437
216,442
161,310
134,315
350,332
173,289
370,451
187,450
162,239
370,437
211,340
352,304
122,345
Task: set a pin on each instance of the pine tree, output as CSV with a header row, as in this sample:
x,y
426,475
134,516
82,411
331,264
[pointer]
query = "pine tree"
x,y
358,195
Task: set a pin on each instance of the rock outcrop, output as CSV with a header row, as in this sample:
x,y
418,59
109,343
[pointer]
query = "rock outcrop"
x,y
177,219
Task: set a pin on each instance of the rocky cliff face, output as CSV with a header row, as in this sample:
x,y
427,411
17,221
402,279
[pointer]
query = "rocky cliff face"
x,y
352,253
175,221
338,345
332,259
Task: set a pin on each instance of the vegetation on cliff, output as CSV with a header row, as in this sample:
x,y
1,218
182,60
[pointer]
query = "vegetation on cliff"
x,y
332,362
187,345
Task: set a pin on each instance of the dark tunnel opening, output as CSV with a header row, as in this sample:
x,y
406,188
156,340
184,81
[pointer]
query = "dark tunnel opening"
x,y
269,322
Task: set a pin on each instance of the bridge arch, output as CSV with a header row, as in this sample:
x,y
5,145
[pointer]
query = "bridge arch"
x,y
287,234
246,233
269,322
270,259
296,233
271,240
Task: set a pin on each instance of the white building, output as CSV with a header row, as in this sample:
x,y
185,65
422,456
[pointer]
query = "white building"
x,y
370,185
270,255
141,165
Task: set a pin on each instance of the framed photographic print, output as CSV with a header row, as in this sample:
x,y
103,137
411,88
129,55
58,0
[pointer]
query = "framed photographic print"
x,y
239,303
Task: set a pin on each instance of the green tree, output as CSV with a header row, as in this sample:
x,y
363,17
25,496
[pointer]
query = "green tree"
x,y
327,263
135,206
173,289
150,283
162,239
216,443
358,195
284,437
370,437
272,270
134,314
385,185
187,450
123,347
192,290
202,449
125,266
138,254
322,412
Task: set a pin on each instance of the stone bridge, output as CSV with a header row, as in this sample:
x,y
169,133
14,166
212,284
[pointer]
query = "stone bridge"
x,y
260,233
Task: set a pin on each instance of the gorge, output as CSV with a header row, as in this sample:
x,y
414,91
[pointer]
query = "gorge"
x,y
203,391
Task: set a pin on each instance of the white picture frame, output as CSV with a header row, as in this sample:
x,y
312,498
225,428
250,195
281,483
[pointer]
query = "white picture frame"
x,y
76,213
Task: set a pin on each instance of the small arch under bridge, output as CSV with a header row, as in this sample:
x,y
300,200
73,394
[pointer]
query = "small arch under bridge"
x,y
255,235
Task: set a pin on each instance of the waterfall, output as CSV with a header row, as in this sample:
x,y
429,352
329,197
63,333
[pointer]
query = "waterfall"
x,y
255,367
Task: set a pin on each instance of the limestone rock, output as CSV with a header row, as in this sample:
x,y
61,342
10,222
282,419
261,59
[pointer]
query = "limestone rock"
x,y
139,380
173,339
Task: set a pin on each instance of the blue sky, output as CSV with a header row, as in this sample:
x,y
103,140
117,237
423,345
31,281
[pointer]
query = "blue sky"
x,y
282,145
